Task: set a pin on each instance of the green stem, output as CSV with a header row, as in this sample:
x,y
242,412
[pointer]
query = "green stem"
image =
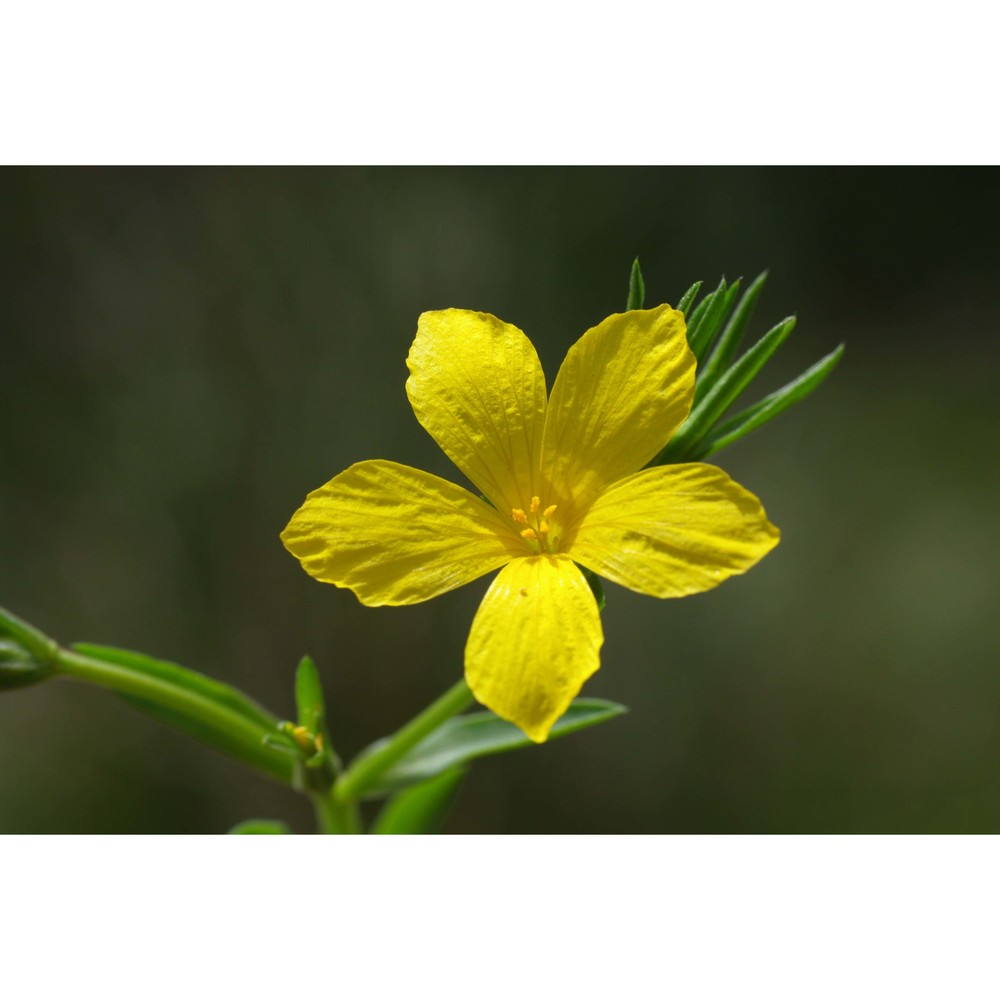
x,y
333,816
243,734
361,775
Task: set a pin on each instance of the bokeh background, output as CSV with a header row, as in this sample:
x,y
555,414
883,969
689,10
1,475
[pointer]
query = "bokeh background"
x,y
184,354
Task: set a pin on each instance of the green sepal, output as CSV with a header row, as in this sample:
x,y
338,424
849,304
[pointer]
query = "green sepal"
x,y
218,692
688,297
596,587
723,394
636,288
465,737
269,826
769,407
729,341
421,808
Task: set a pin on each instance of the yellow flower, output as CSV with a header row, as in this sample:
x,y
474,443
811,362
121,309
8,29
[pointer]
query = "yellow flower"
x,y
563,478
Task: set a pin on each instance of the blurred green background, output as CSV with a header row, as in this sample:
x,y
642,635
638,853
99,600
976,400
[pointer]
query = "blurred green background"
x,y
187,352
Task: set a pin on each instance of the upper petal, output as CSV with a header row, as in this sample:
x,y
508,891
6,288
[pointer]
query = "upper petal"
x,y
396,535
534,641
674,530
625,387
476,385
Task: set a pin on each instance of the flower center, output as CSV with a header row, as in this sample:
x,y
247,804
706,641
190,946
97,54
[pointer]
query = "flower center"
x,y
537,527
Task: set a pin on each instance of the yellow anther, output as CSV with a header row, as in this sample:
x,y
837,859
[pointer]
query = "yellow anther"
x,y
543,527
535,504
519,515
319,741
550,510
529,534
304,738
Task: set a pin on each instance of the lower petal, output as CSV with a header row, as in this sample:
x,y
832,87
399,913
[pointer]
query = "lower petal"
x,y
396,535
674,530
534,641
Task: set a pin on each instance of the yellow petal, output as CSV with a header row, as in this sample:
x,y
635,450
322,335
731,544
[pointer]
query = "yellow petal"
x,y
396,535
674,530
534,641
476,385
625,387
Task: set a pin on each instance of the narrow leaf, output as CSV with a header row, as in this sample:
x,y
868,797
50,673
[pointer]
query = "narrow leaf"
x,y
269,826
725,349
769,407
466,737
421,808
309,696
18,668
712,321
221,693
258,755
596,587
636,288
687,298
721,396
694,321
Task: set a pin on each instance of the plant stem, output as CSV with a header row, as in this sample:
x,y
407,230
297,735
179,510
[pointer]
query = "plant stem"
x,y
241,733
333,816
361,775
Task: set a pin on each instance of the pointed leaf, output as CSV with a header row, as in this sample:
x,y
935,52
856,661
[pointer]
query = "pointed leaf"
x,y
769,407
221,693
687,298
725,349
269,826
309,696
723,394
694,321
421,808
636,288
712,321
466,737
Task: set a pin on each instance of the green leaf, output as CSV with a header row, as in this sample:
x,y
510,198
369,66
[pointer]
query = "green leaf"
x,y
712,321
721,396
636,288
309,696
688,297
478,734
218,692
421,808
725,349
261,826
698,314
18,668
259,755
769,407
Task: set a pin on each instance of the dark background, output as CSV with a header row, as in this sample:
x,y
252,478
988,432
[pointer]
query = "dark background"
x,y
184,354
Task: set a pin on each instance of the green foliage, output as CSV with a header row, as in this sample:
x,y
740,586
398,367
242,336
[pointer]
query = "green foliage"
x,y
18,668
478,734
636,288
596,587
259,826
688,297
421,808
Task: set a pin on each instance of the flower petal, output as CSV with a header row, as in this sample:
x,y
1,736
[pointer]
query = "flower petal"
x,y
477,387
534,641
396,535
674,530
626,385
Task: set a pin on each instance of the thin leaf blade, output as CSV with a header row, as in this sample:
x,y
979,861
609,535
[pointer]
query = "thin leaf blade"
x,y
712,321
636,288
688,297
479,734
261,826
421,808
770,406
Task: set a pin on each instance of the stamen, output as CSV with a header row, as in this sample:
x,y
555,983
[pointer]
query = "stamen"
x,y
549,511
535,504
519,515
529,534
543,528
